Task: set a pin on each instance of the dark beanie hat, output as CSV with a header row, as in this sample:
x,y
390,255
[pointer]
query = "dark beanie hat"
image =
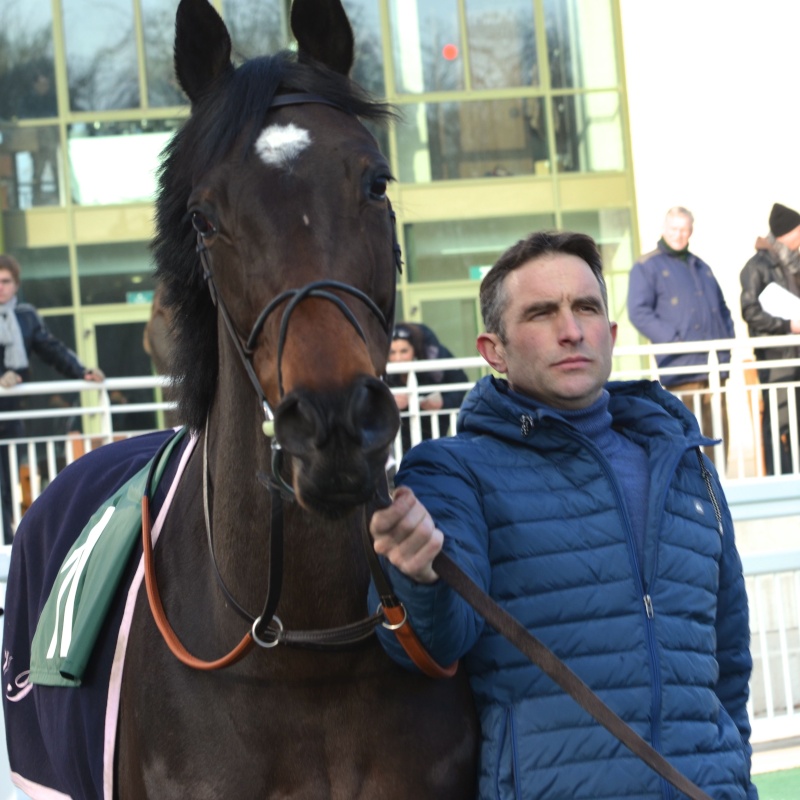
x,y
782,220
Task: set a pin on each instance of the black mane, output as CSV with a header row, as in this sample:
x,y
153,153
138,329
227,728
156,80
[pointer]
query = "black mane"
x,y
237,103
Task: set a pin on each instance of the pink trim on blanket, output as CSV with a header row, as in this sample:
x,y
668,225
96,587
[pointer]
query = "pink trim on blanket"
x,y
115,682
35,790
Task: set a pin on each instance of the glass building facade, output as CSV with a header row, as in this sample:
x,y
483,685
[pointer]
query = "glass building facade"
x,y
513,117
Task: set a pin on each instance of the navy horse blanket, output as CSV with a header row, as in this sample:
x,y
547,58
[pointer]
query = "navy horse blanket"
x,y
61,724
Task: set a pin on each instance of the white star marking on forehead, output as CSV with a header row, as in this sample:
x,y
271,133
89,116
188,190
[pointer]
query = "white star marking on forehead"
x,y
279,145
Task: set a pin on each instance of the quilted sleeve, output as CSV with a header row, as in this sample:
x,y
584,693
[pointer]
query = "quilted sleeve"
x,y
446,626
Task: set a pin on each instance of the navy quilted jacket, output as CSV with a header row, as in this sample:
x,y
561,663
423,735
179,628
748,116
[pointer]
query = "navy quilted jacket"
x,y
532,511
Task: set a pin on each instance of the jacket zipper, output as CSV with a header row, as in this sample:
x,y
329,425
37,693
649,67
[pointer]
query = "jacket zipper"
x,y
648,608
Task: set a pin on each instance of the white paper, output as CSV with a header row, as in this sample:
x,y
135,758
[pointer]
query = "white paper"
x,y
780,302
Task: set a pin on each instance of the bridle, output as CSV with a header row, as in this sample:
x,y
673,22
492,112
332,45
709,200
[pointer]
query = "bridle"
x,y
266,629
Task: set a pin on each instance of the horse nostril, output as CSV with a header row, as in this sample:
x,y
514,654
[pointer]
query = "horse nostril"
x,y
298,426
372,417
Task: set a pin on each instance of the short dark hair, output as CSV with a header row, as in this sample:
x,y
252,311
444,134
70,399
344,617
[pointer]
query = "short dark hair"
x,y
540,243
12,265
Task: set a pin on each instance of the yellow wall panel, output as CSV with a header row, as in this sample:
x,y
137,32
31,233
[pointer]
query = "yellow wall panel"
x,y
113,224
48,228
466,200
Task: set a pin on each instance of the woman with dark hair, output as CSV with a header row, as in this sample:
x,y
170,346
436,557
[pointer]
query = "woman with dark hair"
x,y
409,344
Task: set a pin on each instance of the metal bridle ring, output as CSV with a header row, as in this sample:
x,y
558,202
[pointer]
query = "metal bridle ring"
x,y
396,625
260,642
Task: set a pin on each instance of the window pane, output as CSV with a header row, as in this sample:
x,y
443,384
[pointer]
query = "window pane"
x,y
368,67
588,131
158,29
426,45
447,141
30,167
257,27
102,66
115,273
128,151
27,79
464,249
580,44
502,43
45,277
611,229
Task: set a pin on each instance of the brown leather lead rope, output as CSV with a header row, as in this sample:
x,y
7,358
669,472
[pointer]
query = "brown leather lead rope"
x,y
556,669
400,626
394,613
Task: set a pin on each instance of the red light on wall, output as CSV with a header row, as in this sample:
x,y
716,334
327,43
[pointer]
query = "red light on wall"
x,y
450,52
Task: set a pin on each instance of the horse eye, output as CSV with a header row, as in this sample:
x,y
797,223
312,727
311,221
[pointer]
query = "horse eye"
x,y
377,189
202,224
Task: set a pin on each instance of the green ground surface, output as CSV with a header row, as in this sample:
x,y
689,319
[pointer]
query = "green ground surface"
x,y
783,785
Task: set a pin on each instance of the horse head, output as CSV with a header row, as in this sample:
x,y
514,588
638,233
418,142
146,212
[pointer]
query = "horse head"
x,y
282,190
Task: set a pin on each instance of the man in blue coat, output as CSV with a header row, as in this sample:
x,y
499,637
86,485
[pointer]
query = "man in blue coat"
x,y
673,296
587,510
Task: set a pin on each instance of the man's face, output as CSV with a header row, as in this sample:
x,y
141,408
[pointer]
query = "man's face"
x,y
8,288
677,230
558,337
401,350
791,239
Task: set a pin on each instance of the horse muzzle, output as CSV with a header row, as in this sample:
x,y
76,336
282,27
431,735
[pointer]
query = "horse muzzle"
x,y
338,442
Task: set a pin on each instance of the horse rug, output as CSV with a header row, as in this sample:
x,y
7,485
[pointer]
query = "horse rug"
x,y
76,564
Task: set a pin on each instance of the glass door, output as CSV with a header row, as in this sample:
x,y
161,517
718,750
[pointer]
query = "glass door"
x,y
113,341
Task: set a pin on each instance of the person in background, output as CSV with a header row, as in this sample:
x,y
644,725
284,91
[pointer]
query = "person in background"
x,y
777,261
411,342
23,333
673,296
587,510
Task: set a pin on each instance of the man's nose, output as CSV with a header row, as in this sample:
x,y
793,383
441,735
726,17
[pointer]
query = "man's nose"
x,y
570,328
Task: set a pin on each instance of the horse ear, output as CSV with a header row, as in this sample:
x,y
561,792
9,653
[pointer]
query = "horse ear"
x,y
323,33
202,47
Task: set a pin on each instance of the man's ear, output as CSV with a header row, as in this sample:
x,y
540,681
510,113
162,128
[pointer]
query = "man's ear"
x,y
493,351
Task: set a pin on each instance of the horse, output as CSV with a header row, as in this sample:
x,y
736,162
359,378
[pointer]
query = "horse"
x,y
275,244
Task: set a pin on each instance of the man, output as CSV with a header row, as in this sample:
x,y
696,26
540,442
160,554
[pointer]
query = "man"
x,y
776,264
22,332
587,511
674,297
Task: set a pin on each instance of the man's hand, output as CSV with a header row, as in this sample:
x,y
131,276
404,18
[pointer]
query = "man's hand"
x,y
96,375
794,326
432,402
9,378
405,534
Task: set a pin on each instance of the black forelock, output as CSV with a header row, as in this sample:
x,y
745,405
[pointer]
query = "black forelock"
x,y
238,102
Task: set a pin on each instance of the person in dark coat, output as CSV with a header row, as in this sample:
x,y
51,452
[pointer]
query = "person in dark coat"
x,y
776,264
22,333
673,296
416,342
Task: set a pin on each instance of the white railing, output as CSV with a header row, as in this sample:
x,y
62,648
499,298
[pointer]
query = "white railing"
x,y
739,395
773,591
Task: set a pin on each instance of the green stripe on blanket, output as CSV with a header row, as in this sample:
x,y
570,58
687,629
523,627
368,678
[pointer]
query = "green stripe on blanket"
x,y
87,581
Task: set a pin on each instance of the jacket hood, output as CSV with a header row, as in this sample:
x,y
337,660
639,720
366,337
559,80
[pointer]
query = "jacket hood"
x,y
643,405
